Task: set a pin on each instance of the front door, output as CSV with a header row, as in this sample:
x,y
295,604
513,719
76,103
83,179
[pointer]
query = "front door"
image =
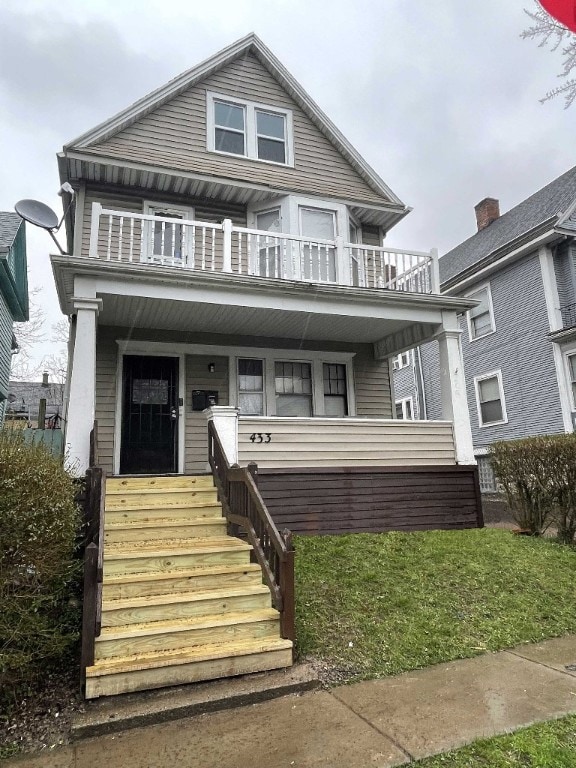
x,y
149,442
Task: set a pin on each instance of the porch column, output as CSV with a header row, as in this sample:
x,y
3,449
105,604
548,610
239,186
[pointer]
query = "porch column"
x,y
453,388
82,396
225,420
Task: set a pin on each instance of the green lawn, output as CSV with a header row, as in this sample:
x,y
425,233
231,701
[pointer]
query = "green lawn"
x,y
547,745
387,603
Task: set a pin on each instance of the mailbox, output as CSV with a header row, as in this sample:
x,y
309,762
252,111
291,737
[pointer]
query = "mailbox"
x,y
203,398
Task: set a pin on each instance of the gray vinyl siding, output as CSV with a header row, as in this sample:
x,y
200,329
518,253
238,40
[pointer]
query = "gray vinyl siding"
x,y
521,350
430,354
404,385
564,268
6,325
371,382
209,211
174,136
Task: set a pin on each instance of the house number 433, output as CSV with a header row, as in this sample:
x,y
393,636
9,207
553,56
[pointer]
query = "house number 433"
x,y
259,437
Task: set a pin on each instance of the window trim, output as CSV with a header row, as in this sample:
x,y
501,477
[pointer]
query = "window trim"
x,y
403,401
149,207
250,128
397,363
497,374
483,287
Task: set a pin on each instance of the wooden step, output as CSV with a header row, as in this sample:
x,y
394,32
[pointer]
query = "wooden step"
x,y
170,481
185,633
174,555
125,586
181,605
186,665
160,498
185,512
163,528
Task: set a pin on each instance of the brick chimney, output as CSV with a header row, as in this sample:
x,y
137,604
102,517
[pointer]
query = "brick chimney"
x,y
487,211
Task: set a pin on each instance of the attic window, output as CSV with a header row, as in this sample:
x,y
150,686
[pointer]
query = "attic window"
x,y
244,128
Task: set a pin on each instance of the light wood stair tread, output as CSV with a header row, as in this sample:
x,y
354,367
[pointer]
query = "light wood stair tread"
x,y
148,628
206,652
185,597
201,570
163,522
153,491
184,505
172,547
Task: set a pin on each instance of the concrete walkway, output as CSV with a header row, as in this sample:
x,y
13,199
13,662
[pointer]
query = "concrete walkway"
x,y
374,724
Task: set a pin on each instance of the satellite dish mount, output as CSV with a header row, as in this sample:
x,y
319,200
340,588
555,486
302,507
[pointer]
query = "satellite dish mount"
x,y
41,215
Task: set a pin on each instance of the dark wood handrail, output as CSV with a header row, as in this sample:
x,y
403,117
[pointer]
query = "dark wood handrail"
x,y
244,507
93,557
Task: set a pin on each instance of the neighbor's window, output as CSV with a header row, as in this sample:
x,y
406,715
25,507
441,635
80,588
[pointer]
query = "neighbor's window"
x,y
405,409
255,131
335,394
481,318
490,399
572,370
293,385
401,361
251,387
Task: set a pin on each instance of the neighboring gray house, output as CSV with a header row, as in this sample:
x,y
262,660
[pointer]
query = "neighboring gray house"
x,y
13,293
519,343
24,397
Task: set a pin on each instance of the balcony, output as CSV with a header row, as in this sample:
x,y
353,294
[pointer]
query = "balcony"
x,y
133,238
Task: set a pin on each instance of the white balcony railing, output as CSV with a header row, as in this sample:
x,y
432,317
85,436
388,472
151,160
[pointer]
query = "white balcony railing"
x,y
121,236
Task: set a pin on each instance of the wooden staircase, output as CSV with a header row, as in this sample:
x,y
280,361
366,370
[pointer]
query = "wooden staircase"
x,y
181,601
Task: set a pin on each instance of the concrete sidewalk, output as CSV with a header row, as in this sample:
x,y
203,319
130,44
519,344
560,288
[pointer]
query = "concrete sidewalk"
x,y
378,723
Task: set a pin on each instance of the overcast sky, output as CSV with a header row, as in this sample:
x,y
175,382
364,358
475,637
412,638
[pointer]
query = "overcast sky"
x,y
442,98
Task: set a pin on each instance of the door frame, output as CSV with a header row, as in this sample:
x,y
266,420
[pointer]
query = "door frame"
x,y
145,351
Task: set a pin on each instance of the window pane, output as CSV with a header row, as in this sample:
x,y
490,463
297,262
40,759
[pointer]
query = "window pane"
x,y
335,406
317,223
481,324
270,149
228,116
293,405
251,404
482,297
408,409
399,413
334,379
491,411
226,141
268,124
489,389
269,221
250,375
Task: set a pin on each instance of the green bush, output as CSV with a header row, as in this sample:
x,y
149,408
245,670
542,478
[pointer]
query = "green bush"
x,y
538,475
39,575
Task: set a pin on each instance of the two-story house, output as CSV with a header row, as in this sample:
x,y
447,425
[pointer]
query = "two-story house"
x,y
13,294
519,342
227,272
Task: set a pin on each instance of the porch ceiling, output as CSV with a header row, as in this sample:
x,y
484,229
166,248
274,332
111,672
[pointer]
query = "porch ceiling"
x,y
140,312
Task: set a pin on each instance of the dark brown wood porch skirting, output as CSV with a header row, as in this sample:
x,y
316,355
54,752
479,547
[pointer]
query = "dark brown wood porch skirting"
x,y
334,500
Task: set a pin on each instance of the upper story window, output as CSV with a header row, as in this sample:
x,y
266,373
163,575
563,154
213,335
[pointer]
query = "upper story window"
x,y
248,129
481,318
401,361
490,399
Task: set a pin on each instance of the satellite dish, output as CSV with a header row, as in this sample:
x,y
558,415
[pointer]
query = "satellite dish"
x,y
37,213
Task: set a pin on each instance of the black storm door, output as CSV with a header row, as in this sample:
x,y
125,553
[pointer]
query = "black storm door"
x,y
149,442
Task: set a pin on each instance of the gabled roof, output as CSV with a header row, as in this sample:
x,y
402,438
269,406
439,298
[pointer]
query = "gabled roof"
x,y
554,206
9,226
249,44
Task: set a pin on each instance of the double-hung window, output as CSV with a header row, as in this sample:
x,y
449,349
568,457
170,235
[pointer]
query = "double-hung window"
x,y
572,371
481,318
490,399
251,387
401,360
405,409
293,386
335,389
247,129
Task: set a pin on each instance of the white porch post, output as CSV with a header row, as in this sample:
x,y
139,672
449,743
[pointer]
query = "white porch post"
x,y
82,397
225,419
453,388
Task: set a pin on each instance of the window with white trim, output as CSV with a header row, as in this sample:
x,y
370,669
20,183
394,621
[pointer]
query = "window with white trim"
x,y
572,371
490,399
486,476
481,318
165,240
335,389
293,388
401,361
247,129
405,409
251,387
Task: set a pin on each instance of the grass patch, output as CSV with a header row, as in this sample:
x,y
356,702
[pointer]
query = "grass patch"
x,y
547,745
388,603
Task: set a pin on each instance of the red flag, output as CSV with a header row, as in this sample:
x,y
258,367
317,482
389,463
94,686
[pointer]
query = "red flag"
x,y
563,11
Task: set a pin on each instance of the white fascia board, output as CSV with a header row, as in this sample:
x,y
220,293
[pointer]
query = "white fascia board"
x,y
500,263
250,43
369,302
